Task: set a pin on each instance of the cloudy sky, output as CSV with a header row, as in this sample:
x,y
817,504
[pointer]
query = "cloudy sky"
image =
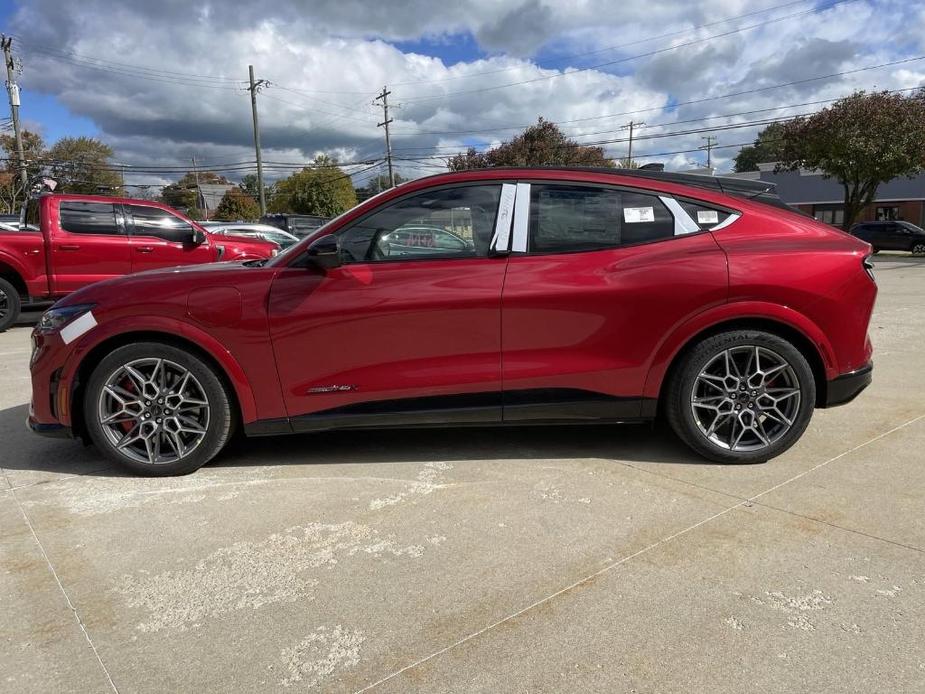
x,y
164,81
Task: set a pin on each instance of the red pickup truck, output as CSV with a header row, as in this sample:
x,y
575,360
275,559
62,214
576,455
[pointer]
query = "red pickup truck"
x,y
69,241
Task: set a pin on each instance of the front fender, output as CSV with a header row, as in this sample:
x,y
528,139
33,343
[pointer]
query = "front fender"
x,y
759,310
36,282
169,327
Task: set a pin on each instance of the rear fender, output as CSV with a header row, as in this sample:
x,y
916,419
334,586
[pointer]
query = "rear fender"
x,y
740,310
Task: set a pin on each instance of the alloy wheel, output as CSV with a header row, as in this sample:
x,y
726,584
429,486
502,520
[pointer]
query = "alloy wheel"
x,y
4,304
918,249
153,411
746,398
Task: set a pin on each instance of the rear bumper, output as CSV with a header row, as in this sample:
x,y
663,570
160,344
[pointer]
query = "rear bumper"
x,y
847,387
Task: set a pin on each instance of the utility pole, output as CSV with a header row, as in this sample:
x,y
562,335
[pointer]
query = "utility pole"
x,y
629,126
711,143
255,86
13,90
384,96
199,194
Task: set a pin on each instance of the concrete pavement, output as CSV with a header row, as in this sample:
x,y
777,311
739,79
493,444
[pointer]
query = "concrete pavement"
x,y
522,560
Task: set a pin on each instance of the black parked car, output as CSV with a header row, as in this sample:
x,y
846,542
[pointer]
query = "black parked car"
x,y
891,236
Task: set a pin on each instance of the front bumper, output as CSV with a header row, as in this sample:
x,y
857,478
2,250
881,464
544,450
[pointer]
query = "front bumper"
x,y
847,387
55,431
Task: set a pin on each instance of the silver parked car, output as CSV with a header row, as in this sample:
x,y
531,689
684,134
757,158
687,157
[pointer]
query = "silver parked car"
x,y
255,231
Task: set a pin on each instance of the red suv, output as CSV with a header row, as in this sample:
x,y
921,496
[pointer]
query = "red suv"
x,y
573,296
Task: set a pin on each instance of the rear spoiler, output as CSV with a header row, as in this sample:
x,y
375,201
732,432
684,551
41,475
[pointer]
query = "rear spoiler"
x,y
749,189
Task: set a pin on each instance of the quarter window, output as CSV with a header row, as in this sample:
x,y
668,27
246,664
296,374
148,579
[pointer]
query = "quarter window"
x,y
447,223
89,218
153,221
704,217
566,218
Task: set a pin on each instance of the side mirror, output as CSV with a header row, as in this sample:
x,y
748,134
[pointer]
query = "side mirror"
x,y
199,237
324,252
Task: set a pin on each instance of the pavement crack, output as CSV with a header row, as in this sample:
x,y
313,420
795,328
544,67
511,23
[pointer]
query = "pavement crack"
x,y
67,598
619,562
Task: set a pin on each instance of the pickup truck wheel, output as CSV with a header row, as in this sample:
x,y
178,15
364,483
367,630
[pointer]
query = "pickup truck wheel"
x,y
157,409
743,396
10,304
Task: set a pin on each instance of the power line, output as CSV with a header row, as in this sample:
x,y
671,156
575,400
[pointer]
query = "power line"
x,y
678,104
608,63
564,58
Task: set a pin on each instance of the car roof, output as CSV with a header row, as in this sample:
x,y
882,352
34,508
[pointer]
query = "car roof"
x,y
747,189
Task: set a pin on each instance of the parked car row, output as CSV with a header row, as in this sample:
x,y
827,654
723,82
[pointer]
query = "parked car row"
x,y
69,241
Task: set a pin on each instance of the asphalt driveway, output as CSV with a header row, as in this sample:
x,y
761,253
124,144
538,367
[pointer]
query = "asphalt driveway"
x,y
522,560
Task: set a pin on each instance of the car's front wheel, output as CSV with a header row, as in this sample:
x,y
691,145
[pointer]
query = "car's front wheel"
x,y
918,248
743,396
157,409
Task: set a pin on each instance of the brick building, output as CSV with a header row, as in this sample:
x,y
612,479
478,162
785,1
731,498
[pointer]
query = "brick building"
x,y
823,198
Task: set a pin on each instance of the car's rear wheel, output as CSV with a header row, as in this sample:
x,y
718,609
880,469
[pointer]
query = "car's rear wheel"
x,y
743,396
157,409
918,248
10,305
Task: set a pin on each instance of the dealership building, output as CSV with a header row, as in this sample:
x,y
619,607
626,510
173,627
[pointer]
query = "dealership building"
x,y
823,198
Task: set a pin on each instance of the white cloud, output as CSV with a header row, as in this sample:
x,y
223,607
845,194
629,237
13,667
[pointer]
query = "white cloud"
x,y
326,59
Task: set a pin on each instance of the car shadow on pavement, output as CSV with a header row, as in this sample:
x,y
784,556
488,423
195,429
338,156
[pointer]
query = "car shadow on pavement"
x,y
23,450
628,442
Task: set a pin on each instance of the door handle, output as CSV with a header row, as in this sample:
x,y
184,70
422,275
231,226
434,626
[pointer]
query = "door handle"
x,y
144,249
68,247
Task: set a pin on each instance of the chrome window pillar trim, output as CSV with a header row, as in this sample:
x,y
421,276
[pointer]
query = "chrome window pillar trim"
x,y
726,222
500,241
521,218
683,224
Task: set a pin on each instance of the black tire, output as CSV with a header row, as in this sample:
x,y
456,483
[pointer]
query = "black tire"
x,y
918,248
680,391
10,304
220,419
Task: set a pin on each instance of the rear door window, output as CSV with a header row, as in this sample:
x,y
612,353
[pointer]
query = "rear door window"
x,y
89,218
571,218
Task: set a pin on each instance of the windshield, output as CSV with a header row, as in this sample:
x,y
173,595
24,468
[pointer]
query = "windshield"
x,y
913,227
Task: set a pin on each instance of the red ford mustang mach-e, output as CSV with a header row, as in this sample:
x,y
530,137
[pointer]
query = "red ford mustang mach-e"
x,y
499,296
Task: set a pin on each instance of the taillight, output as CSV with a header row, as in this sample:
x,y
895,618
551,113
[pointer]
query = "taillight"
x,y
869,268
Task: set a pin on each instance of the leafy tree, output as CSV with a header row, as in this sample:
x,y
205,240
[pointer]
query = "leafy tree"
x,y
235,205
12,193
861,141
767,148
82,165
539,145
321,189
195,213
183,195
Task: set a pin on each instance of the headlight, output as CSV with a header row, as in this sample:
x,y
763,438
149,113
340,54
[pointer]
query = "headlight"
x,y
56,318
